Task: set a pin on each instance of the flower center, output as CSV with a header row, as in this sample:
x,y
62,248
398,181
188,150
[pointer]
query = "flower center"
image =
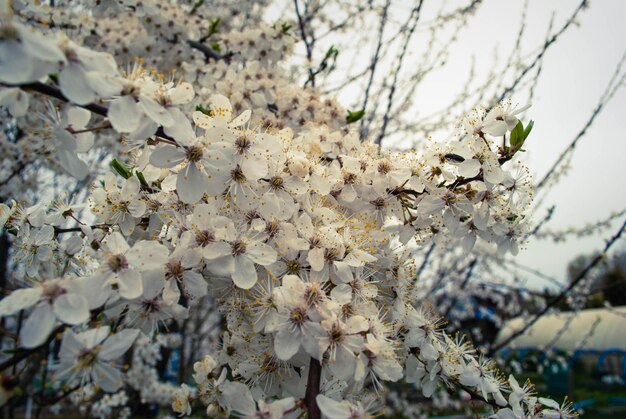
x,y
204,238
298,316
87,358
349,178
276,183
237,175
242,144
293,267
272,228
117,263
384,167
150,306
336,334
194,153
174,270
52,291
238,248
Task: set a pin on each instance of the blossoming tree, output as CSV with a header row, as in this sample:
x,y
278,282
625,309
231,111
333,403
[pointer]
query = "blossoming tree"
x,y
230,183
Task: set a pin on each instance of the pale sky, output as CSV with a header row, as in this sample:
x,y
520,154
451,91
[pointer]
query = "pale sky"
x,y
575,73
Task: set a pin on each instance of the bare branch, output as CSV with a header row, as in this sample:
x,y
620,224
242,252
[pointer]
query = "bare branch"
x,y
374,63
415,14
612,87
563,293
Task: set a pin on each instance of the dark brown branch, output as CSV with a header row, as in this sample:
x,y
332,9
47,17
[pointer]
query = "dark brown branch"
x,y
25,353
308,43
208,51
313,389
96,108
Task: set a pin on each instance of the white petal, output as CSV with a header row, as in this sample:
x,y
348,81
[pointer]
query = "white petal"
x,y
261,253
147,254
286,344
129,284
195,285
156,112
117,345
104,85
191,184
167,156
16,66
71,308
215,250
241,119
74,85
333,409
70,162
107,377
238,397
244,275
181,94
497,128
15,100
19,300
130,188
146,128
171,293
38,326
70,345
116,243
316,259
469,168
124,114
181,129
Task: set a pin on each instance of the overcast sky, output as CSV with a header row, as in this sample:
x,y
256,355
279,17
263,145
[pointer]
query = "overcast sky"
x,y
575,72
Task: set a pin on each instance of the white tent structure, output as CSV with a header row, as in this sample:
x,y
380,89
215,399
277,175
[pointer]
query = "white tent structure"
x,y
593,330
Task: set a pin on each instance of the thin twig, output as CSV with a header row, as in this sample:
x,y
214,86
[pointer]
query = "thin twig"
x,y
415,14
563,293
374,63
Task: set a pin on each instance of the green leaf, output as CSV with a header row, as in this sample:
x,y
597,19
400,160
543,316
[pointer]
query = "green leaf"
x,y
142,179
285,27
517,136
216,47
354,116
195,7
529,128
214,24
204,110
330,54
121,169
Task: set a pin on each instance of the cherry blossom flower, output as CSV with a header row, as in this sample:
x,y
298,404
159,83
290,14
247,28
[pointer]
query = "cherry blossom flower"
x,y
88,356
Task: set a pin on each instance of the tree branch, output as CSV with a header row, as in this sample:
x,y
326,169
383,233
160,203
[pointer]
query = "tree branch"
x,y
208,51
563,293
313,388
96,108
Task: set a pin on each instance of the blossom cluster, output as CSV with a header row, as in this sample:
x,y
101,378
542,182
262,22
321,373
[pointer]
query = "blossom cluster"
x,y
304,236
